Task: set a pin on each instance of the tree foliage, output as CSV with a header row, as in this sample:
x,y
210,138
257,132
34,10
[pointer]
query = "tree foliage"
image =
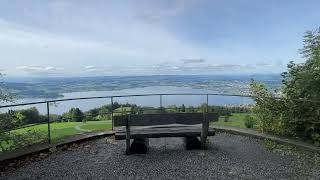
x,y
249,121
5,96
13,119
74,115
297,111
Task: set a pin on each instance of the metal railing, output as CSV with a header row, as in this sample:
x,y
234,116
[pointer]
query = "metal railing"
x,y
112,100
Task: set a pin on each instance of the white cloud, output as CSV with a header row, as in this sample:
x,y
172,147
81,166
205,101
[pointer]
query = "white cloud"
x,y
89,67
203,67
40,69
38,39
176,67
92,70
142,44
110,38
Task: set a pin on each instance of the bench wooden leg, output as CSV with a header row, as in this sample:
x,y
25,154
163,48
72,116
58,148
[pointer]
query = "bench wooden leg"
x,y
139,146
128,136
128,147
192,143
204,132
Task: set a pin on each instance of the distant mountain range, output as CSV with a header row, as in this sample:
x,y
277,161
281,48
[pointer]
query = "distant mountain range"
x,y
54,87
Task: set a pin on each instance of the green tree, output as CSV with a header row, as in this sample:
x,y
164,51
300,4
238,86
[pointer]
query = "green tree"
x,y
302,89
268,109
76,115
5,96
12,119
182,108
31,115
297,111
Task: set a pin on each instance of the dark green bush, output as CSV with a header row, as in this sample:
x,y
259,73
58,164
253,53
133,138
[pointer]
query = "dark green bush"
x,y
249,121
13,140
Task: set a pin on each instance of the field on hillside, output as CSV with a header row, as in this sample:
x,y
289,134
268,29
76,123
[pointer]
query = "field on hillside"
x,y
235,120
39,133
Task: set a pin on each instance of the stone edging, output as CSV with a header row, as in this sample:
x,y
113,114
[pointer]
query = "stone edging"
x,y
254,134
38,148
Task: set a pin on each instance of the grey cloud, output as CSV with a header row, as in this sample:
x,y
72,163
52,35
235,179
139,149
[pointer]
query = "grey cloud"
x,y
269,65
193,61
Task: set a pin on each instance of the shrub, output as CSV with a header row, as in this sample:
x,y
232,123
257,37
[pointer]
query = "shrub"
x,y
12,140
226,118
268,110
249,121
316,139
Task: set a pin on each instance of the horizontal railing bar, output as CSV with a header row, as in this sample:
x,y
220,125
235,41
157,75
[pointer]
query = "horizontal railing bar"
x,y
130,95
82,98
24,104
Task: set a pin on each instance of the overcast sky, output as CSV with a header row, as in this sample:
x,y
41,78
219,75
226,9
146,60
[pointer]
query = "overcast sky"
x,y
98,37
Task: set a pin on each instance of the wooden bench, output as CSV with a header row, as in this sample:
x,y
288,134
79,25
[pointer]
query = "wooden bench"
x,y
188,125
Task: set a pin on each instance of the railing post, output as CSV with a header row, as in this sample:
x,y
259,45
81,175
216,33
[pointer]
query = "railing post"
x,y
161,110
128,135
122,110
48,118
207,104
112,123
204,131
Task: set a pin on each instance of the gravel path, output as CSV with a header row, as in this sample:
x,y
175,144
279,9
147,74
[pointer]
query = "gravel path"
x,y
228,157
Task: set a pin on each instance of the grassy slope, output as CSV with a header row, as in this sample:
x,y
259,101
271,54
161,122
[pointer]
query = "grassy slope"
x,y
62,130
236,120
99,125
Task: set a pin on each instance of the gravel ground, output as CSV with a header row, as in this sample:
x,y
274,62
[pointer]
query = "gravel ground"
x,y
228,157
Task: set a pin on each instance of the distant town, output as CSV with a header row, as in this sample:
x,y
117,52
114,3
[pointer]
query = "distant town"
x,y
55,87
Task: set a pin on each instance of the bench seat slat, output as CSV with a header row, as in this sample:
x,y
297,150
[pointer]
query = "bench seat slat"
x,y
158,132
165,118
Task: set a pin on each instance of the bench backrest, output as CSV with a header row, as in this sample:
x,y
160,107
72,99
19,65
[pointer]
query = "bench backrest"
x,y
162,119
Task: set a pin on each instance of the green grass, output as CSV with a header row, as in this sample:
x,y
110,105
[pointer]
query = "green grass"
x,y
97,126
64,129
236,120
57,134
58,131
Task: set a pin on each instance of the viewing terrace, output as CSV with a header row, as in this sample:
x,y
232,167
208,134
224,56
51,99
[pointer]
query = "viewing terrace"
x,y
81,144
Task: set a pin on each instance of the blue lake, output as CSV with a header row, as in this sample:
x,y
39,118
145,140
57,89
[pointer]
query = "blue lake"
x,y
154,101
